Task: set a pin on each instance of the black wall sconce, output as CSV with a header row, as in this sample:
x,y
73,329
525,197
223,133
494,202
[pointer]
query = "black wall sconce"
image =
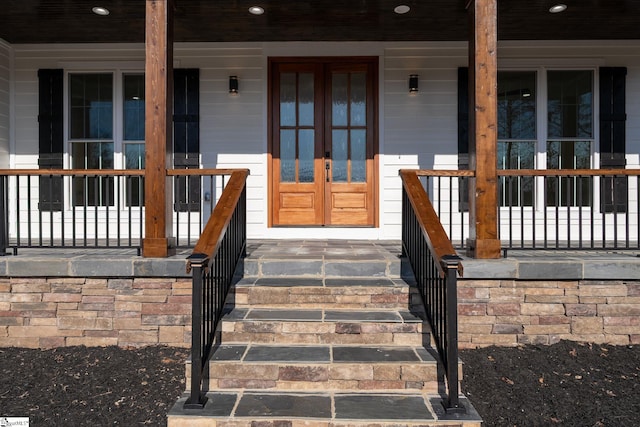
x,y
233,85
413,83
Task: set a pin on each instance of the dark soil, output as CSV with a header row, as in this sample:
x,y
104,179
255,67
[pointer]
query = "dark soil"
x,y
91,386
567,384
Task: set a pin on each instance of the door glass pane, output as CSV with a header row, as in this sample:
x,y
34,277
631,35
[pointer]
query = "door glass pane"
x,y
358,155
288,99
340,152
288,155
358,99
91,106
305,100
570,104
339,97
306,144
133,107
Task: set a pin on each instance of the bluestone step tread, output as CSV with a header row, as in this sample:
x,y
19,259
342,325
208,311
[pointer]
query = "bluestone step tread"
x,y
318,354
324,409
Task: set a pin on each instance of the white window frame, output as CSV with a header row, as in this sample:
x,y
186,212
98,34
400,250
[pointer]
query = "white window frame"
x,y
540,159
118,71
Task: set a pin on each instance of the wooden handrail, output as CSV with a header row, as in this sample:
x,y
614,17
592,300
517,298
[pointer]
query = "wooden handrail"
x,y
430,224
568,172
207,172
418,172
443,172
72,172
213,233
531,172
112,172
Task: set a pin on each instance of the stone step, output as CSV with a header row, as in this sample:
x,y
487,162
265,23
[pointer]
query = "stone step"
x,y
323,334
324,293
319,326
252,408
322,259
322,367
319,267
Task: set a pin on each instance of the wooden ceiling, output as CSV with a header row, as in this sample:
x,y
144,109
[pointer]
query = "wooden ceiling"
x,y
71,21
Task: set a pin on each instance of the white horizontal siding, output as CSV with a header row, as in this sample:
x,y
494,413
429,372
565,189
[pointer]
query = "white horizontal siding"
x,y
417,131
5,108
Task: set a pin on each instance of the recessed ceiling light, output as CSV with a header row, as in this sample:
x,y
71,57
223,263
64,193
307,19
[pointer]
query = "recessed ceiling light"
x,y
401,9
256,10
102,11
558,8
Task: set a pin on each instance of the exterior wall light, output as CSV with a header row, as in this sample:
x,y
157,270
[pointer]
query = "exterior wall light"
x,y
233,85
413,83
102,11
558,8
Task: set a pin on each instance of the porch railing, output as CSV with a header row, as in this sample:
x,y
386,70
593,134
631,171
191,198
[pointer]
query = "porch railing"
x,y
212,264
435,265
98,208
547,209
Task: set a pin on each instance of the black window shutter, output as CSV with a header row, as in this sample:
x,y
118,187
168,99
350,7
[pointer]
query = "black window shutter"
x,y
613,137
51,138
186,137
463,135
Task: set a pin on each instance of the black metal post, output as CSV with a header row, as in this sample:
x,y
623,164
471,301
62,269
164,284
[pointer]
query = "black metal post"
x,y
4,221
450,264
199,263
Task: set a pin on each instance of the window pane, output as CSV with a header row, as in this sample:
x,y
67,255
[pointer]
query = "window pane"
x,y
570,104
92,155
568,154
358,155
134,156
288,99
339,97
358,99
306,145
134,159
91,106
569,191
287,155
516,191
133,107
305,102
516,134
339,154
517,105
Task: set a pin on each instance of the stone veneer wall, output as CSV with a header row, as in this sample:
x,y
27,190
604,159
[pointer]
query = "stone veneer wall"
x,y
55,312
512,312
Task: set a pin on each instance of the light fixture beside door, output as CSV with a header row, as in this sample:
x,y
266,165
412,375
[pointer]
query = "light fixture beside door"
x,y
233,85
413,84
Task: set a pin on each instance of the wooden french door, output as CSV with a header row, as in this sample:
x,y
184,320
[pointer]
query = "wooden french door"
x,y
323,141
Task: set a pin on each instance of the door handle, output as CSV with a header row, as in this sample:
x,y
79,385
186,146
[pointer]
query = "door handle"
x,y
327,167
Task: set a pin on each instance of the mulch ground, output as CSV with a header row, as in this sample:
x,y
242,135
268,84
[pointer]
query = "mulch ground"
x,y
565,384
91,386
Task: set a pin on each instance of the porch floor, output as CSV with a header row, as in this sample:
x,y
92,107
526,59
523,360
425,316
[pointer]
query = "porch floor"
x,y
322,258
